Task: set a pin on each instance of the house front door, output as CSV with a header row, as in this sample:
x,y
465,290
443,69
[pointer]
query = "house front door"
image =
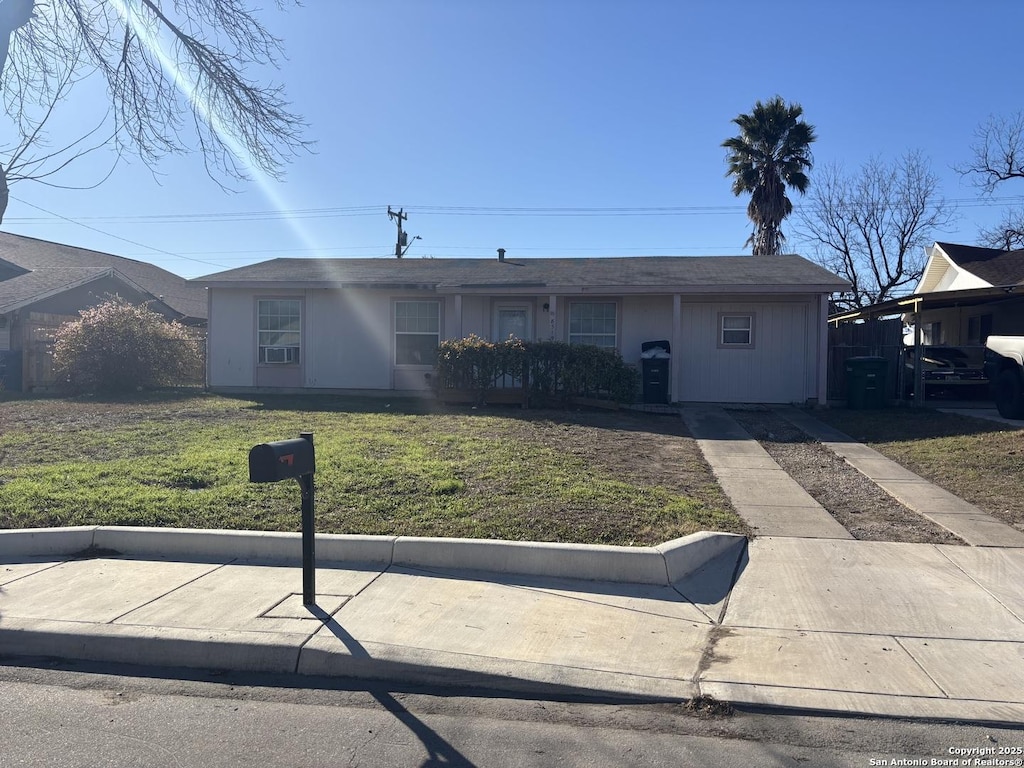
x,y
512,321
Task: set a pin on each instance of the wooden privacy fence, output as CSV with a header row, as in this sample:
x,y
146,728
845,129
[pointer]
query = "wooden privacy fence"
x,y
37,346
871,338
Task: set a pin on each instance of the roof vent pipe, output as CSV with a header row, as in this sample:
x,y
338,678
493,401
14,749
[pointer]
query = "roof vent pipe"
x,y
501,254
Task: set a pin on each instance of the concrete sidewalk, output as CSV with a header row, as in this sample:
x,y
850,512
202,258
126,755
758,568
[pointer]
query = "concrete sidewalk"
x,y
907,630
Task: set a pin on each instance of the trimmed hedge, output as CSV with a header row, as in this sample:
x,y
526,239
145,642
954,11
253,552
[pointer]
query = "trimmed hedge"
x,y
554,370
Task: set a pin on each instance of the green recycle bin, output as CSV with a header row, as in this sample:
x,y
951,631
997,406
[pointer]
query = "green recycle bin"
x,y
866,382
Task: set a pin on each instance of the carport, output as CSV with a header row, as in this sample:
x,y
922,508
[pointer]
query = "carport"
x,y
923,311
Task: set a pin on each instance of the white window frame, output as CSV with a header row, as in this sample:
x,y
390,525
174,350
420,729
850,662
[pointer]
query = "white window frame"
x,y
282,354
723,317
573,305
396,332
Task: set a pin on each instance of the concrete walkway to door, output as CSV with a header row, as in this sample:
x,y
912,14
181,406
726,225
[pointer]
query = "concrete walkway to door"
x,y
763,494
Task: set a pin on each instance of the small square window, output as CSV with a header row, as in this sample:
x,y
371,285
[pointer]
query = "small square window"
x,y
736,330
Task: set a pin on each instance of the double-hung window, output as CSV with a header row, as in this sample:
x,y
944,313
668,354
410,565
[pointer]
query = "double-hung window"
x,y
593,322
279,334
417,332
736,330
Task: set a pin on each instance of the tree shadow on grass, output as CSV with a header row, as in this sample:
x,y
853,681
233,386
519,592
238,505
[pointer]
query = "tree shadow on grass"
x,y
894,425
623,420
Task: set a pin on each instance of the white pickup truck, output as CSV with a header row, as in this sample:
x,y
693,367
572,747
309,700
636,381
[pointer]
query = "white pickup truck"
x,y
1004,367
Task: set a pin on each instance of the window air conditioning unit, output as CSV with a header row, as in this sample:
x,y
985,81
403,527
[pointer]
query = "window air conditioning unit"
x,y
276,354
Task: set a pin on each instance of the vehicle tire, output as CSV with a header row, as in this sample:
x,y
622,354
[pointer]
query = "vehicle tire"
x,y
1009,395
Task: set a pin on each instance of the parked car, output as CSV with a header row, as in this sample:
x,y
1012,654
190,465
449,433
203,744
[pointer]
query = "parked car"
x,y
947,370
1004,367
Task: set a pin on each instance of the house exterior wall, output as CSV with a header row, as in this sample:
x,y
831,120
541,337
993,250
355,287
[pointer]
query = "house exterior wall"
x,y
71,301
348,340
644,318
956,279
1007,320
230,345
780,366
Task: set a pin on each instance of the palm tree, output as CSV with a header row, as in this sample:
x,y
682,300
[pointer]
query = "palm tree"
x,y
771,153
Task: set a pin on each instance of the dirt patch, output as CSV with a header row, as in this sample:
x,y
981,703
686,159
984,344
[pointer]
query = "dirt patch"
x,y
649,449
860,506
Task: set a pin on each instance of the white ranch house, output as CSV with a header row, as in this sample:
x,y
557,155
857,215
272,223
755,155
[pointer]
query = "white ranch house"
x,y
741,328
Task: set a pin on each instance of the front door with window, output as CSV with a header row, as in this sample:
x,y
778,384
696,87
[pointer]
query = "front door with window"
x,y
512,320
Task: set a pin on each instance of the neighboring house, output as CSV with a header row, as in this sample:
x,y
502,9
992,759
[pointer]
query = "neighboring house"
x,y
965,295
43,284
968,293
741,328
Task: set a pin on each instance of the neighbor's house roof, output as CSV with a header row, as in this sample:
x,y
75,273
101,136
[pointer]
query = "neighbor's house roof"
x,y
957,267
32,270
955,276
634,274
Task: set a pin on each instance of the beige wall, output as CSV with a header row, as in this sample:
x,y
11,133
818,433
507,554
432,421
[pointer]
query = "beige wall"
x,y
779,368
348,340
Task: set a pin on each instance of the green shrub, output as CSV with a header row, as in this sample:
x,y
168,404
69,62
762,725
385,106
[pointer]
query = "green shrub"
x,y
556,370
120,347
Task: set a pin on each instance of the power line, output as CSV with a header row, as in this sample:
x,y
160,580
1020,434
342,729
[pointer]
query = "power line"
x,y
452,210
116,237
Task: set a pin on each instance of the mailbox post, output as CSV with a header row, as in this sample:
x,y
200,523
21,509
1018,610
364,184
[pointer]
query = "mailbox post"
x,y
285,460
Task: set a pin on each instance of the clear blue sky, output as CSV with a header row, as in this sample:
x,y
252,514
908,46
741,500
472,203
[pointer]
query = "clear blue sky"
x,y
555,104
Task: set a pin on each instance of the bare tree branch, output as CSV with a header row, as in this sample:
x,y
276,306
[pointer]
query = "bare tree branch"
x,y
178,74
1007,234
872,228
998,152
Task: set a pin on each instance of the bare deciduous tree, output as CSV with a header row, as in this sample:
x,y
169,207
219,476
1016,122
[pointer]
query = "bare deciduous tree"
x,y
998,152
175,72
1007,233
871,227
999,156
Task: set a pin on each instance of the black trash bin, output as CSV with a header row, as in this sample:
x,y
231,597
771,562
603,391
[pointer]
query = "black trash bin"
x,y
866,379
655,362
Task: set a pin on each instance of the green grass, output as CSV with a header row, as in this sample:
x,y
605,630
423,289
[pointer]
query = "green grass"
x,y
980,461
382,468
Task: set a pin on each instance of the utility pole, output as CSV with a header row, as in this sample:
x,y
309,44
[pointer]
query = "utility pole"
x,y
402,244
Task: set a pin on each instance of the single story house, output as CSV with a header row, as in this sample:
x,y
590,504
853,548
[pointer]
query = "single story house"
x,y
44,284
741,328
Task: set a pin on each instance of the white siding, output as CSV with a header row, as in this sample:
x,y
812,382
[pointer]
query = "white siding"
x,y
231,345
475,318
348,339
644,318
779,368
956,279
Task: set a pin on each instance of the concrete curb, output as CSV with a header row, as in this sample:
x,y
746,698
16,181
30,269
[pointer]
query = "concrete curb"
x,y
661,565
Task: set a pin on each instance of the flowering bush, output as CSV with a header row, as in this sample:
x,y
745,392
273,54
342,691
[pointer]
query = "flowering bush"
x,y
554,370
118,347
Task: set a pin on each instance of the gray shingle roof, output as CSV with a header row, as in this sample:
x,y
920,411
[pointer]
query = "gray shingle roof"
x,y
657,273
32,269
992,265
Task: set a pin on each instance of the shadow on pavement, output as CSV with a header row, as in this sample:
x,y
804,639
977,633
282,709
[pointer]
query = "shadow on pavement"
x,y
439,751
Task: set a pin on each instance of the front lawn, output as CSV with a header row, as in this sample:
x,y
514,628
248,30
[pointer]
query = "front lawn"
x,y
399,468
979,461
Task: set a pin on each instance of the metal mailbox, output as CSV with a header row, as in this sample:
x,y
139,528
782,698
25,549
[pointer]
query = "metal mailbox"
x,y
281,460
292,460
